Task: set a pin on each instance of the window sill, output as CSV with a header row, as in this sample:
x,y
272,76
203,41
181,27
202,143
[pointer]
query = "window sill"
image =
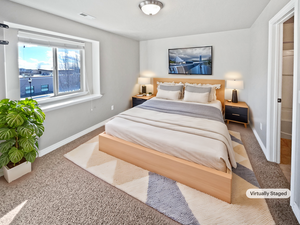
x,y
49,106
46,100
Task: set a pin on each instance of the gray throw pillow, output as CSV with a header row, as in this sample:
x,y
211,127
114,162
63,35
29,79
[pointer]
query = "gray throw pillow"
x,y
172,88
197,89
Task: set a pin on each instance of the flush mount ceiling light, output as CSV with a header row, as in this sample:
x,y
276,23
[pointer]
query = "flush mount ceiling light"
x,y
150,7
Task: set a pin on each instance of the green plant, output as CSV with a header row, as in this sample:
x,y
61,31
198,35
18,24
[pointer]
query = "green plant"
x,y
150,93
21,124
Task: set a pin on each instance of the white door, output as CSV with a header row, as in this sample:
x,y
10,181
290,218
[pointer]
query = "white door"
x,y
295,174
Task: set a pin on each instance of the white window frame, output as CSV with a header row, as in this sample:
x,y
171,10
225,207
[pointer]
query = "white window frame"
x,y
55,71
56,43
89,92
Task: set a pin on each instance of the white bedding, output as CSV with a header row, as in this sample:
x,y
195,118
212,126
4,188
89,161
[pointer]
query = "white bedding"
x,y
205,142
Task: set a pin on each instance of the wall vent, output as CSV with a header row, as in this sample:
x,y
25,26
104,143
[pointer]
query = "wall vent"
x,y
86,16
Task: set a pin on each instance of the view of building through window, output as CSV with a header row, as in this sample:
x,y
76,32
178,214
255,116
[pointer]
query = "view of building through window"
x,y
36,70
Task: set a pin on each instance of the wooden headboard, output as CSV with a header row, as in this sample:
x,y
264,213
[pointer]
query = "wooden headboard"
x,y
220,92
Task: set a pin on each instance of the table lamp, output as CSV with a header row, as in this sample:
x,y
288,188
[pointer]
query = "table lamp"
x,y
235,84
143,81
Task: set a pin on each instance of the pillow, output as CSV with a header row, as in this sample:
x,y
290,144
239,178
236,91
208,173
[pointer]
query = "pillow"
x,y
171,95
214,86
217,86
196,97
172,88
170,83
200,89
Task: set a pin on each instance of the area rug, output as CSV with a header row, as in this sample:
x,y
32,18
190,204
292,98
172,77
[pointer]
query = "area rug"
x,y
175,200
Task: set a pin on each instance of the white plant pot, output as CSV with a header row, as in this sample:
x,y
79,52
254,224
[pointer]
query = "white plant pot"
x,y
16,172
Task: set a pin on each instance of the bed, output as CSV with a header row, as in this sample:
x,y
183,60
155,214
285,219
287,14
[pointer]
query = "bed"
x,y
168,144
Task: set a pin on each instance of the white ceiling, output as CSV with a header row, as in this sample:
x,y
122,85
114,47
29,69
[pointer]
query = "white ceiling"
x,y
177,18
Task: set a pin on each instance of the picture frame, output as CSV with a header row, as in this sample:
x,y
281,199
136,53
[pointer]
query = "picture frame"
x,y
191,61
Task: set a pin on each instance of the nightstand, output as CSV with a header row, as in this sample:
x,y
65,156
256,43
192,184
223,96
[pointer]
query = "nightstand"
x,y
137,100
237,112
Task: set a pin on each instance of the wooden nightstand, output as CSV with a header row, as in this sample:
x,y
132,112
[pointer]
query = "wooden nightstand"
x,y
137,100
237,112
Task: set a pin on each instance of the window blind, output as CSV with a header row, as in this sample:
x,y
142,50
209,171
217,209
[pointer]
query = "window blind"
x,y
48,41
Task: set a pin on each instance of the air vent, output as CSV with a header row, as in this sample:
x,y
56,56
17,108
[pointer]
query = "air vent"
x,y
87,16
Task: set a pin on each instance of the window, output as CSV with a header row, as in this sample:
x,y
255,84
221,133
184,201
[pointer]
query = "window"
x,y
86,88
29,90
44,63
45,88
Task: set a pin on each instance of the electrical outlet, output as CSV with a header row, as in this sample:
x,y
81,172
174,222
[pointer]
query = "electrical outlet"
x,y
260,126
112,107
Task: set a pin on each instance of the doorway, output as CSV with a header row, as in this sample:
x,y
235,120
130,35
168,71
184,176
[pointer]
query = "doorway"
x,y
287,97
274,96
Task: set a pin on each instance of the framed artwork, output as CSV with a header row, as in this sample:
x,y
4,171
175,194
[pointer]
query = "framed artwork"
x,y
191,61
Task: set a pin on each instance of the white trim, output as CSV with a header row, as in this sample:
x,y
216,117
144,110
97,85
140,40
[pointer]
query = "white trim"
x,y
68,102
261,144
295,172
43,31
296,210
274,74
53,147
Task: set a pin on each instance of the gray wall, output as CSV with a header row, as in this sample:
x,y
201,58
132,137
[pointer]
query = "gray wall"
x,y
257,79
231,58
119,66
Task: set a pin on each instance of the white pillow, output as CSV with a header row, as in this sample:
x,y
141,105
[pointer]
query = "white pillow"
x,y
171,95
166,83
171,84
213,93
217,86
196,97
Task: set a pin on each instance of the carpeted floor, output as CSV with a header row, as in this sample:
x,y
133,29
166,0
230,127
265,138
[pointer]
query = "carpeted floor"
x,y
59,192
268,174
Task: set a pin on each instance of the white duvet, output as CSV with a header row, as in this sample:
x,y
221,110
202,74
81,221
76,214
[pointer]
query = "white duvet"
x,y
205,142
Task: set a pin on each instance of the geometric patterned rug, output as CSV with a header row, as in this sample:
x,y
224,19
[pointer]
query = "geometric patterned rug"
x,y
175,200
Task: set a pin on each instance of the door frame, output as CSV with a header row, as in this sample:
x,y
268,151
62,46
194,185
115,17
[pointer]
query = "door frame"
x,y
275,80
274,92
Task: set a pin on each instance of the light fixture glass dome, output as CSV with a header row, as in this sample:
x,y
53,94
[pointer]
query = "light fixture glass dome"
x,y
150,7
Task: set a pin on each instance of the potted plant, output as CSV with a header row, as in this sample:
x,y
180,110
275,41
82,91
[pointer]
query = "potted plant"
x,y
21,124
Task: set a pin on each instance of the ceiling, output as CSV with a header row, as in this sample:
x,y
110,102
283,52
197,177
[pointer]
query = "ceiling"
x,y
177,18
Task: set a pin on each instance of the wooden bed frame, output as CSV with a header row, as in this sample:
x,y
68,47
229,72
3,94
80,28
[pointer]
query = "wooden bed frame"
x,y
213,182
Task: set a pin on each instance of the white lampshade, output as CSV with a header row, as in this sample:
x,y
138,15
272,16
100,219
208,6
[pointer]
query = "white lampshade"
x,y
235,84
144,80
150,7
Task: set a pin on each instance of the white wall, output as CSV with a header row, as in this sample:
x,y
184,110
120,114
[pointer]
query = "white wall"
x,y
231,58
257,79
119,69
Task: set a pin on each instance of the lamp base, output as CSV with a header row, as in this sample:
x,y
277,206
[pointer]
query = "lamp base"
x,y
234,96
144,89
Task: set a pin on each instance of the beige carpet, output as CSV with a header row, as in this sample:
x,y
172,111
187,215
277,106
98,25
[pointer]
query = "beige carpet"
x,y
58,191
177,201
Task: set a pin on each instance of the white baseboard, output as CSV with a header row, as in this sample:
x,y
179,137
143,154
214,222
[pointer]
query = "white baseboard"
x,y
296,210
51,148
263,147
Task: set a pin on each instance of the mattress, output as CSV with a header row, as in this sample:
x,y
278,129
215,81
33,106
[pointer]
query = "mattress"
x,y
196,139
